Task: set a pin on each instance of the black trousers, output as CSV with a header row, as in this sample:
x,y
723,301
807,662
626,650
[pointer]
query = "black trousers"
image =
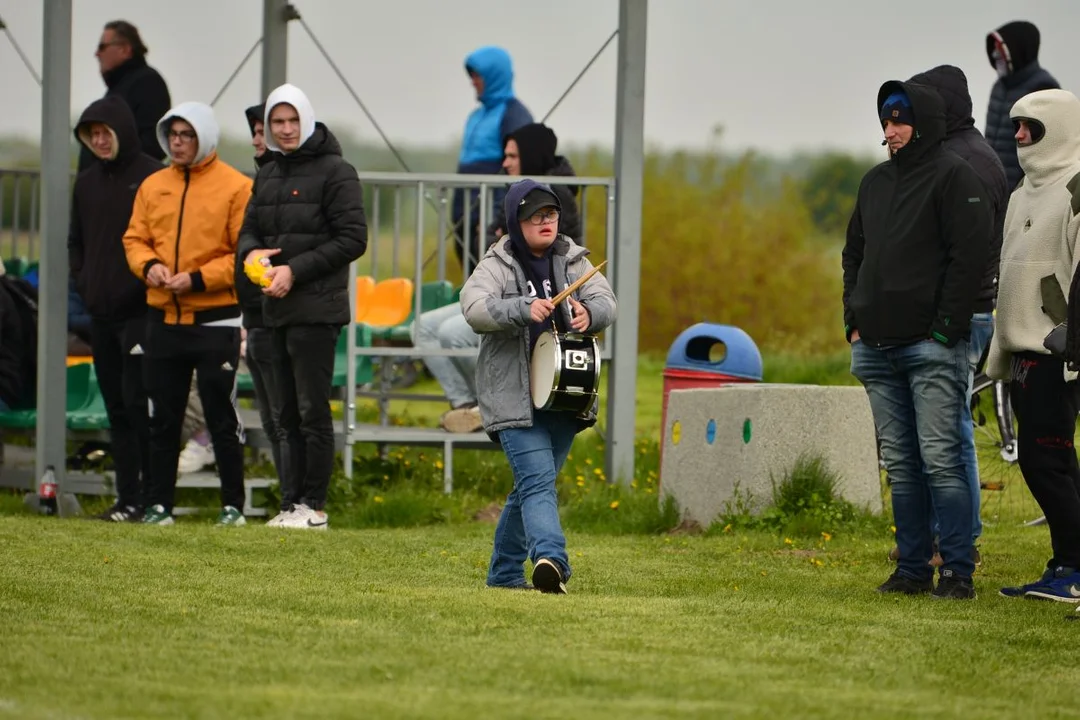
x,y
173,353
1046,409
260,362
118,363
304,373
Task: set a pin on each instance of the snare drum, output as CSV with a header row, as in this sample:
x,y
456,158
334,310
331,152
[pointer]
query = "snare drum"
x,y
564,373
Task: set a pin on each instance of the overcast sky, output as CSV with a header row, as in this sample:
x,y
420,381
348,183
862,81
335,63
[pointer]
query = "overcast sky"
x,y
778,75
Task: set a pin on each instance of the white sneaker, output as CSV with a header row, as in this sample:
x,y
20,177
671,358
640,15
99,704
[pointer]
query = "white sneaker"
x,y
194,457
279,519
303,517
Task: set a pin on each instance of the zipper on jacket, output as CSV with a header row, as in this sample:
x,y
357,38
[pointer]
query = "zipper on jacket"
x,y
179,228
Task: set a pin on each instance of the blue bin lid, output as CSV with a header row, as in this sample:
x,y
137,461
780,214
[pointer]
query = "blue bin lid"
x,y
739,356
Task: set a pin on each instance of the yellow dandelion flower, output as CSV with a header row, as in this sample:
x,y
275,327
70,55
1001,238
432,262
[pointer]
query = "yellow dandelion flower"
x,y
598,471
727,528
377,499
788,541
438,465
581,482
614,505
826,536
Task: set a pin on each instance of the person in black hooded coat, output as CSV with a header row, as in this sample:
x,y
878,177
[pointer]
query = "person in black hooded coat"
x,y
1013,51
116,300
913,261
962,138
306,216
258,343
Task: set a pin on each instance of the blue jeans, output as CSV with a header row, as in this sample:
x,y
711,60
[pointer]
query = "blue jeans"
x,y
446,328
917,394
529,526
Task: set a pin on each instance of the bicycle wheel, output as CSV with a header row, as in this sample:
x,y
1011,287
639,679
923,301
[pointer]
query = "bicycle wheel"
x,y
1005,494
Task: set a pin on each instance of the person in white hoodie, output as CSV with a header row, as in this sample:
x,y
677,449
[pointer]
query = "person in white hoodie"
x,y
306,218
1038,261
181,241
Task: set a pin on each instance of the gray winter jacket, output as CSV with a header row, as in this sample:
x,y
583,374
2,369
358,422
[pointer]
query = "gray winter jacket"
x,y
496,305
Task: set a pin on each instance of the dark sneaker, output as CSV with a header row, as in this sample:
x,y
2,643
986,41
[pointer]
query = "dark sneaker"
x,y
120,513
1021,590
547,578
1062,586
230,516
953,587
156,515
898,583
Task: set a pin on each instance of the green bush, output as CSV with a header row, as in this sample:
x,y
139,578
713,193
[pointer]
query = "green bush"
x,y
805,503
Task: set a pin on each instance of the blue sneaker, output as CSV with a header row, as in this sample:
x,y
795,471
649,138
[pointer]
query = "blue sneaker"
x,y
1021,590
1063,586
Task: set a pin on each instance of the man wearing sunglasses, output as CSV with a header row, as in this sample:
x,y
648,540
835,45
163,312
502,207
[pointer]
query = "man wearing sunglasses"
x,y
121,57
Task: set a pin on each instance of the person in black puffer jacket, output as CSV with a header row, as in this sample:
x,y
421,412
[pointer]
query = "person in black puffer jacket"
x,y
1013,51
306,216
962,138
258,343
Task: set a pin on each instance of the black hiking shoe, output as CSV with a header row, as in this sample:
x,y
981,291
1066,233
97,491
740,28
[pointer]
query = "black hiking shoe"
x,y
954,587
121,513
898,583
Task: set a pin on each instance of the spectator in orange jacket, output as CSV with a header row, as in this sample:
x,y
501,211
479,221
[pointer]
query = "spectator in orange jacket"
x,y
182,242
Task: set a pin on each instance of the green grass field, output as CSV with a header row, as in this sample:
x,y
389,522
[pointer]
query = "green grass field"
x,y
189,621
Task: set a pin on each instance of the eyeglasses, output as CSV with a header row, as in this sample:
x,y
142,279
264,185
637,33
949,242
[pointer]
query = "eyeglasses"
x,y
185,135
543,217
101,46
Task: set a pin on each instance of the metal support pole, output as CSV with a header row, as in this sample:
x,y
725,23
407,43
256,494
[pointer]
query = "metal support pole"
x,y
629,163
55,206
275,43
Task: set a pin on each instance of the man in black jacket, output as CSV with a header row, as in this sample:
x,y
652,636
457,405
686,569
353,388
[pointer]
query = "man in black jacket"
x,y
121,58
258,354
915,254
962,138
100,210
306,216
1013,52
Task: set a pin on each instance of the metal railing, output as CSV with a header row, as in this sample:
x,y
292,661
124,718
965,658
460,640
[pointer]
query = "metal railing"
x,y
418,203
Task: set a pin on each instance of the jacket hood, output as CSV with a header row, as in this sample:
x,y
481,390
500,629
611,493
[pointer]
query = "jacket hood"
x,y
951,84
493,64
1058,151
929,111
115,113
290,95
254,114
515,197
1020,44
536,146
201,118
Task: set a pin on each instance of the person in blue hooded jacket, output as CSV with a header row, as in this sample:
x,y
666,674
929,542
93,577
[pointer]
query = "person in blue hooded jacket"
x,y
499,114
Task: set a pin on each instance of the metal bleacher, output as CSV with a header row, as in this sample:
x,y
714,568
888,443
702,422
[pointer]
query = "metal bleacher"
x,y
404,270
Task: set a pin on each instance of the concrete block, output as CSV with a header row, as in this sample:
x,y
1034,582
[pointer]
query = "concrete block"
x,y
743,436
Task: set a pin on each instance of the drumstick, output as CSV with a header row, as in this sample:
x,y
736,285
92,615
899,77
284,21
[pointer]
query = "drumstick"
x,y
576,284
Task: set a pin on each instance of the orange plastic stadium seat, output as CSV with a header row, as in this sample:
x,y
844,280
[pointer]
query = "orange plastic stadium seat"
x,y
390,303
365,287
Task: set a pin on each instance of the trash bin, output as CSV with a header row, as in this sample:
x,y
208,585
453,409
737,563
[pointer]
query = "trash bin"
x,y
707,355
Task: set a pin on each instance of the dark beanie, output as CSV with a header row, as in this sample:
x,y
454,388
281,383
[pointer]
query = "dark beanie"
x,y
897,107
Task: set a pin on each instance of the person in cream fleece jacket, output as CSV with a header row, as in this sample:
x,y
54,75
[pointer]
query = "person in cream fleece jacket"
x,y
1038,260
